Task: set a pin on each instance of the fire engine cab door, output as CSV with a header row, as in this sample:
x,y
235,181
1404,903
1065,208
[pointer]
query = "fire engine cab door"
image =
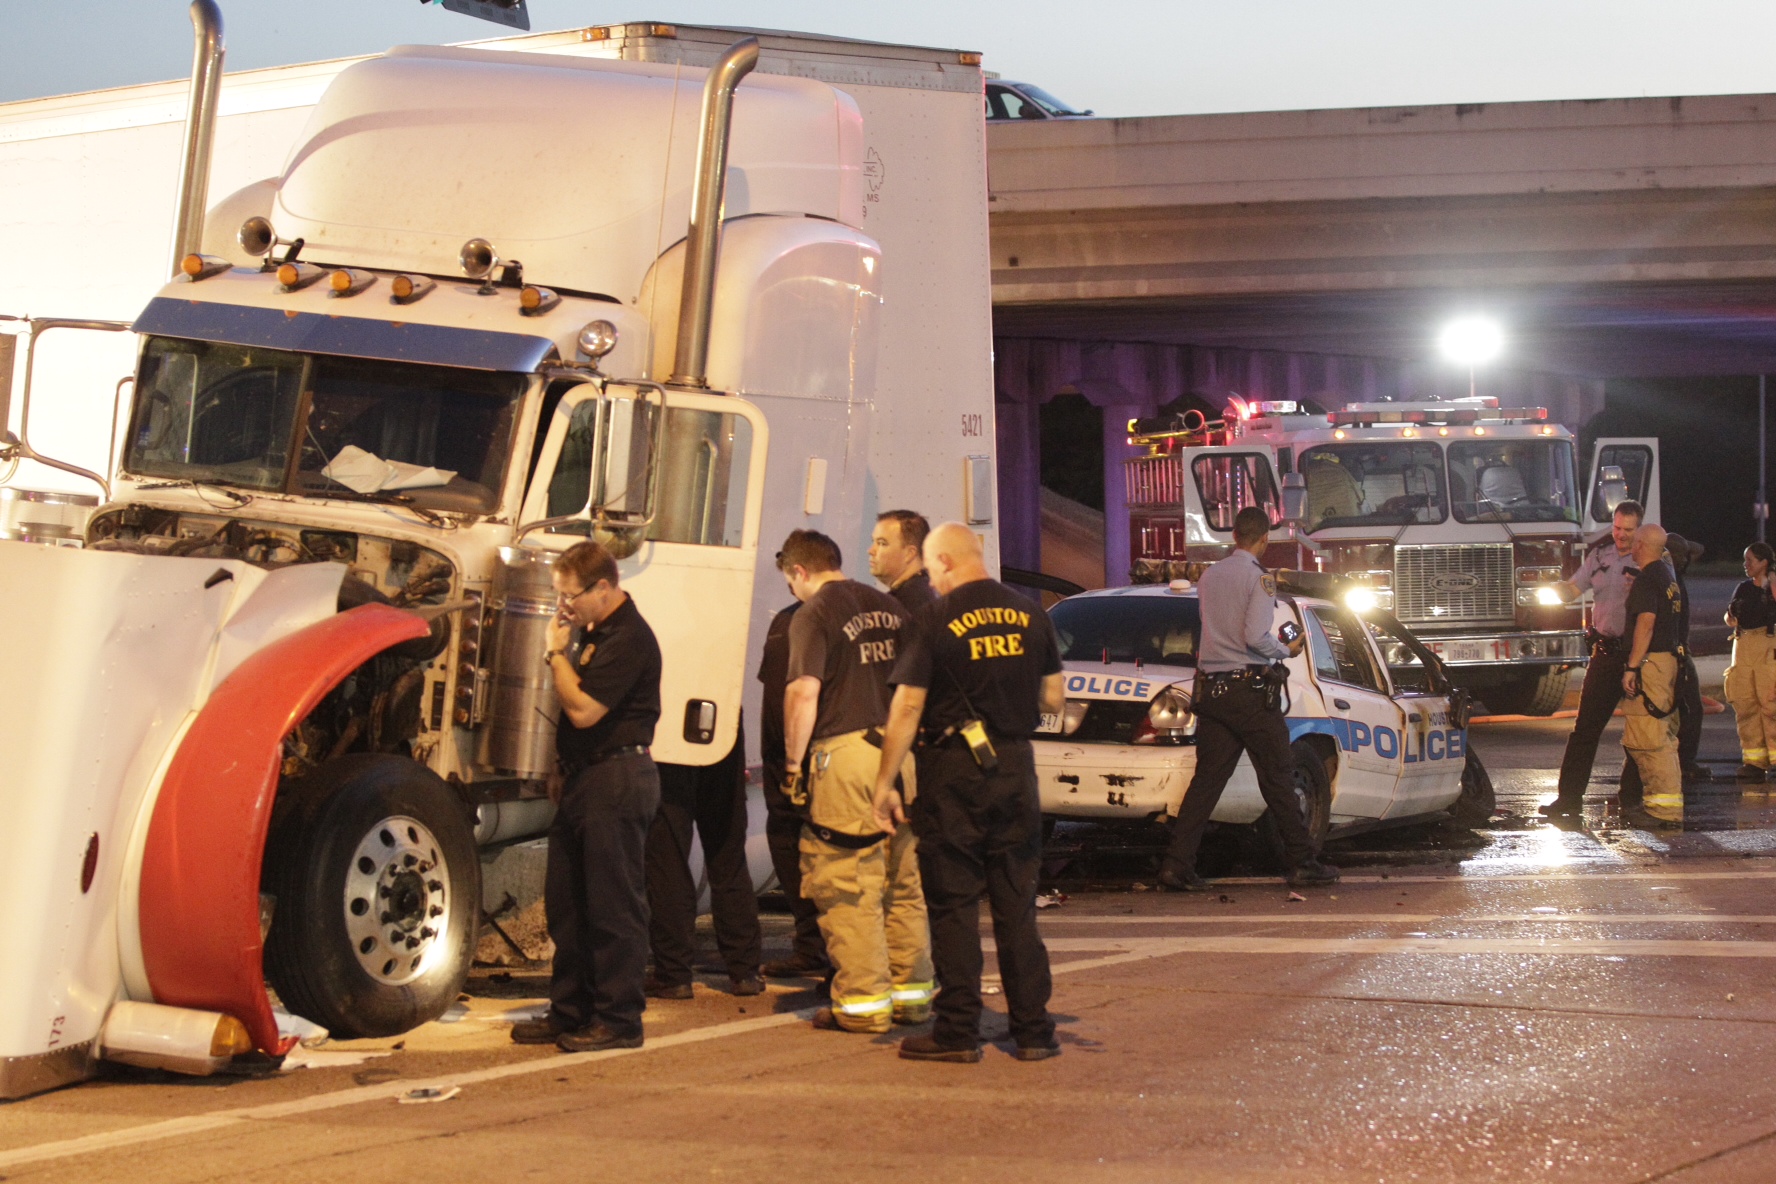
x,y
1362,717
1622,468
692,468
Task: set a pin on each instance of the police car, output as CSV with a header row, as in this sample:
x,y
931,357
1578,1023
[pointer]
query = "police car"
x,y
1378,733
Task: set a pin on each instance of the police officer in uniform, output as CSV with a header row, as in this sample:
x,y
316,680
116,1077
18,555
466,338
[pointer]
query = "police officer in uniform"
x,y
895,557
783,821
1649,684
1606,572
864,880
1236,712
606,666
980,666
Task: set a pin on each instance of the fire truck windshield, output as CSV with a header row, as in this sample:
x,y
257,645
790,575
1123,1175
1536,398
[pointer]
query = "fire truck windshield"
x,y
1379,483
1508,480
274,420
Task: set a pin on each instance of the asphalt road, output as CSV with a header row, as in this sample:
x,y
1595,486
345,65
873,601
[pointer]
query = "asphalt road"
x,y
1587,1004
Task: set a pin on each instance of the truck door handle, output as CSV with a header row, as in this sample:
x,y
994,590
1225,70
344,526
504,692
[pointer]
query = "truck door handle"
x,y
1341,704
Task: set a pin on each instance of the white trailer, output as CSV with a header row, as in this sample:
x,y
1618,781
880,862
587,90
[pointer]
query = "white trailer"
x,y
466,270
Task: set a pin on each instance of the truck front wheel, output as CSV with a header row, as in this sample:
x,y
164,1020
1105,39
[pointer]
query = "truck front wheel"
x,y
373,865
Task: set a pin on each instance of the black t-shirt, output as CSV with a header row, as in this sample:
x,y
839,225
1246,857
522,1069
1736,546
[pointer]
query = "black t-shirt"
x,y
847,635
618,661
1683,611
774,674
987,643
1655,591
914,592
1753,606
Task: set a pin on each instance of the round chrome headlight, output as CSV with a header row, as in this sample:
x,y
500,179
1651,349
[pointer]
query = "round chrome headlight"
x,y
597,339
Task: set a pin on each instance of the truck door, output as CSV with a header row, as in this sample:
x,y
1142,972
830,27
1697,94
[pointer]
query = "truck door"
x,y
1622,468
1182,505
1365,719
674,483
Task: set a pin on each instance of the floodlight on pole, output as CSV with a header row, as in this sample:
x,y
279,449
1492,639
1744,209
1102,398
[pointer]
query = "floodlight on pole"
x,y
1472,342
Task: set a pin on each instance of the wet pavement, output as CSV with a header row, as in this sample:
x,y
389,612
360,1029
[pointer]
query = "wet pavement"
x,y
1593,1003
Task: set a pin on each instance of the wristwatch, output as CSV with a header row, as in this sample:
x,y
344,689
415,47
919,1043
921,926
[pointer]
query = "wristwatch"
x,y
551,655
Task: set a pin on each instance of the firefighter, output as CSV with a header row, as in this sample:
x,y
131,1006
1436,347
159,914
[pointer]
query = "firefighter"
x,y
864,880
980,665
783,821
1649,682
1751,678
1679,553
606,666
1606,571
1237,712
895,557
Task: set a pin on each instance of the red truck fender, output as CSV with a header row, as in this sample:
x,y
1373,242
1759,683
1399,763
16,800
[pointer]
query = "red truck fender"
x,y
199,910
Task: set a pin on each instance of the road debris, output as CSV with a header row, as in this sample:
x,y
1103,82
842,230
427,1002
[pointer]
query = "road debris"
x,y
429,1093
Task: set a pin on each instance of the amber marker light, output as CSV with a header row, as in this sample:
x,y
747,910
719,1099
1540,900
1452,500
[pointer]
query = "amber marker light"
x,y
202,267
348,281
534,301
408,288
295,276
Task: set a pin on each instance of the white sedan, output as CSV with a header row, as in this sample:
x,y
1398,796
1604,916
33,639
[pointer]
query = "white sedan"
x,y
1371,743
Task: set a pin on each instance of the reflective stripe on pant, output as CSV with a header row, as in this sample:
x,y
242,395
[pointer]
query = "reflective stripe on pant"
x,y
1650,741
872,905
1750,687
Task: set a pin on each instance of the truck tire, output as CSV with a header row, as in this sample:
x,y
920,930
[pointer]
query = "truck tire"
x,y
1475,806
1313,797
1529,694
378,887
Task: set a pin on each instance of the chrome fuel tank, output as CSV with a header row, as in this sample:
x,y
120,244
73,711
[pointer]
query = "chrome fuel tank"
x,y
519,736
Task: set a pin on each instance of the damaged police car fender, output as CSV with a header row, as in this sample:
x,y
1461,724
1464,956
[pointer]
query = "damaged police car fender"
x,y
1372,744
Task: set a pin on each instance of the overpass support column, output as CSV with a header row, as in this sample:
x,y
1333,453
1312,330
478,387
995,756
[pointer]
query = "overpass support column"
x,y
1116,519
1018,433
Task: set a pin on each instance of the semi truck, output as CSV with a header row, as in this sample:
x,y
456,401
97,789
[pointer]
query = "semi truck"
x,y
1458,516
678,289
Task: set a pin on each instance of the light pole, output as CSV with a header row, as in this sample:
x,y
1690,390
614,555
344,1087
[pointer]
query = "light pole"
x,y
1761,511
1471,341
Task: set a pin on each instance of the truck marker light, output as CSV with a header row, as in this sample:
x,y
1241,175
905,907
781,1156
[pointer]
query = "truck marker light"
x,y
534,301
202,267
408,289
1442,431
1479,431
293,277
349,281
1338,433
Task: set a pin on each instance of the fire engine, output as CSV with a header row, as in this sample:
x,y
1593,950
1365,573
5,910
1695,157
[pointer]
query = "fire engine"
x,y
1458,516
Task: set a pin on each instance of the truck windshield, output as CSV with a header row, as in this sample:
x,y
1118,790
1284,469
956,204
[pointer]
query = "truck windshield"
x,y
1157,630
1373,484
272,420
1513,481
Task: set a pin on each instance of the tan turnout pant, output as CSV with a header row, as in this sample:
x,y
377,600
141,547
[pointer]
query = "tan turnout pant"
x,y
1751,692
872,905
1650,741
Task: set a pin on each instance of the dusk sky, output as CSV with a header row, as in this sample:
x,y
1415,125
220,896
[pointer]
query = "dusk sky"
x,y
1119,57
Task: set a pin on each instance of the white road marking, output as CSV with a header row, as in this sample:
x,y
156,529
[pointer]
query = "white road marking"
x,y
1570,871
1425,919
1165,947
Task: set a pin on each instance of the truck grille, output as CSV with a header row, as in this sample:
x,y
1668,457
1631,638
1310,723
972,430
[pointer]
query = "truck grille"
x,y
1464,583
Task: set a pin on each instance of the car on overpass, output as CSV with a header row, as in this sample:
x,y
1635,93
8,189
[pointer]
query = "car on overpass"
x,y
1378,732
1008,101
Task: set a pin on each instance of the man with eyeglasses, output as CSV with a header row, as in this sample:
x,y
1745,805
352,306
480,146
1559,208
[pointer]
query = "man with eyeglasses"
x,y
606,666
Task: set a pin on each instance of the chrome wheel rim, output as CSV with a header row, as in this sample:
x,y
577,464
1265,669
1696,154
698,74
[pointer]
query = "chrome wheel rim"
x,y
397,900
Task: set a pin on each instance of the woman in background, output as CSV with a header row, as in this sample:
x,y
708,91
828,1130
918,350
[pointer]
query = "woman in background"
x,y
1751,679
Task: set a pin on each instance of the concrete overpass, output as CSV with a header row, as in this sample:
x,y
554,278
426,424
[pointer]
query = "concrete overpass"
x,y
1315,253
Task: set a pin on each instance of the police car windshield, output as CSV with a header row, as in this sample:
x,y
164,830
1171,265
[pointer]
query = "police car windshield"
x,y
1379,483
1157,630
236,415
1513,481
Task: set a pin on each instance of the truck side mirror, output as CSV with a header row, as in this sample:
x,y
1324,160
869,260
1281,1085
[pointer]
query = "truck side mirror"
x,y
1612,486
1294,498
600,464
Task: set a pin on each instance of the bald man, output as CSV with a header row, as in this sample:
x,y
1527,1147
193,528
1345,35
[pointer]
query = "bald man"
x,y
1649,684
979,667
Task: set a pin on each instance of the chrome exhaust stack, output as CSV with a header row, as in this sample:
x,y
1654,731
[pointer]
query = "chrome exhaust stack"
x,y
200,130
703,239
